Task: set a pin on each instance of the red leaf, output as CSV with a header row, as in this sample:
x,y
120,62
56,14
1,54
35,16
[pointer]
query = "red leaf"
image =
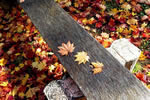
x,y
98,25
140,76
111,22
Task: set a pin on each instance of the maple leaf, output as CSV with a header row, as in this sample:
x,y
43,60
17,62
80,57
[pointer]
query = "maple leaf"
x,y
4,84
113,11
142,56
82,57
31,92
98,67
3,61
126,6
132,21
40,66
143,25
66,48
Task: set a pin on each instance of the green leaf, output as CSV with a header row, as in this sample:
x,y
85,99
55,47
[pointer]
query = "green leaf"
x,y
137,68
148,73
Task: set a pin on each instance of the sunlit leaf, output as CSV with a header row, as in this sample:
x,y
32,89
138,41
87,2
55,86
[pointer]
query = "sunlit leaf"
x,y
66,48
82,57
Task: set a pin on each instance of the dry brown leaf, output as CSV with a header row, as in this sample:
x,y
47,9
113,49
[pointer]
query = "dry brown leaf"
x,y
32,91
66,48
97,67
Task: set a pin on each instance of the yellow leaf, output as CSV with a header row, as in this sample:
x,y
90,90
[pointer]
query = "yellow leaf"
x,y
84,21
51,68
66,48
0,35
21,65
3,62
82,57
133,13
4,84
21,94
142,57
35,64
132,21
37,59
15,38
17,69
144,25
24,80
17,54
98,67
113,11
14,91
41,66
97,64
119,29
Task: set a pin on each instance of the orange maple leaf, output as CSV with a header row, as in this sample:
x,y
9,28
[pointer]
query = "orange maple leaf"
x,y
98,67
66,48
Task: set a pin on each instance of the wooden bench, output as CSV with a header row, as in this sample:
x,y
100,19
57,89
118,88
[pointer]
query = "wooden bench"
x,y
127,54
115,82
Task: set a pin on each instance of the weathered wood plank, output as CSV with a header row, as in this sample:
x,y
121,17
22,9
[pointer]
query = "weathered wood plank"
x,y
56,26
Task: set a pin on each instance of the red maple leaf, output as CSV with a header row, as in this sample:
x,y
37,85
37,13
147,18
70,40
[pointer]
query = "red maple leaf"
x,y
111,22
98,25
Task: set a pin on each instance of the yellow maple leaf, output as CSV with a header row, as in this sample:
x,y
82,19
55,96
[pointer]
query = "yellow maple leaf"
x,y
35,64
113,11
17,69
144,25
21,65
3,62
66,48
40,66
4,83
133,14
142,56
31,92
119,29
82,57
21,94
132,21
98,67
14,91
24,80
84,21
51,68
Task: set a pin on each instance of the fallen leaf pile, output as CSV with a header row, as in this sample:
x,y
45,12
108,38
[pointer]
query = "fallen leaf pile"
x,y
27,64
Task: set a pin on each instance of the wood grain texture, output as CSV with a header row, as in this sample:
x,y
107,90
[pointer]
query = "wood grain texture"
x,y
56,26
